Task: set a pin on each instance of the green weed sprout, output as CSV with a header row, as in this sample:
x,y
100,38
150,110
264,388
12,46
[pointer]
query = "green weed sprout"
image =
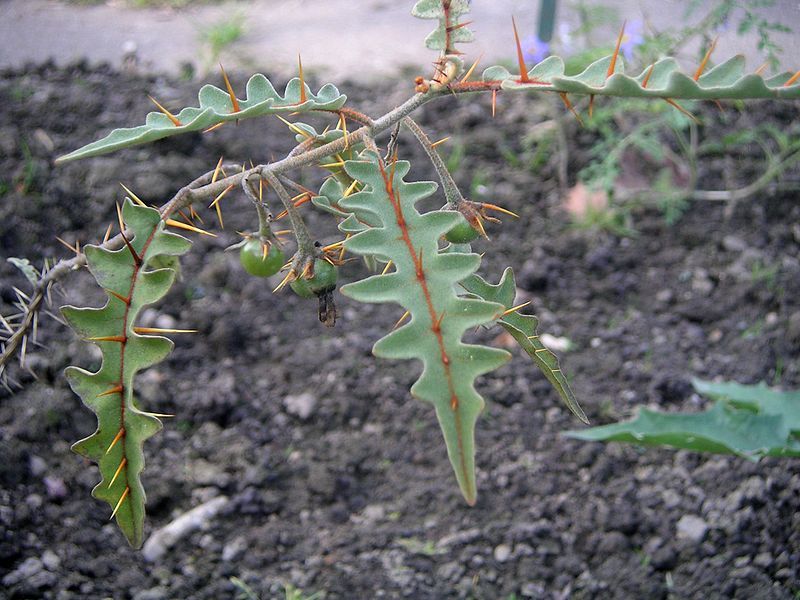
x,y
374,203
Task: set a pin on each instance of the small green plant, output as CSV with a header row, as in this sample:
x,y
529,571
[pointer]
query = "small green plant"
x,y
369,194
654,136
220,36
751,421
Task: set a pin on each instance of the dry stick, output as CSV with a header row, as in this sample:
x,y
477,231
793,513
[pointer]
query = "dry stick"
x,y
773,171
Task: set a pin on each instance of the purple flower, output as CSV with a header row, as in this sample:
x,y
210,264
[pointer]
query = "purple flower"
x,y
632,39
535,50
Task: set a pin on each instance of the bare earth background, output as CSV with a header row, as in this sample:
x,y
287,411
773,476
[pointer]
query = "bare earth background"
x,y
307,457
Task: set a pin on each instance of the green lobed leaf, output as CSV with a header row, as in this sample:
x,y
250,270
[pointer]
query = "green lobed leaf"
x,y
758,398
109,392
663,79
722,429
523,328
424,283
448,33
216,107
27,269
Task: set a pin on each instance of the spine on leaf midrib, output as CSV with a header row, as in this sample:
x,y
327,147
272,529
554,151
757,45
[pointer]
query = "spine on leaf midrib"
x,y
424,283
116,445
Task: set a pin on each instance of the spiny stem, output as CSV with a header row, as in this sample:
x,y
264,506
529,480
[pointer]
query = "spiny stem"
x,y
451,192
205,188
264,217
305,243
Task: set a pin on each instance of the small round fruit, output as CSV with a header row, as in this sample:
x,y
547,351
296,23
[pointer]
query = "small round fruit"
x,y
462,233
254,262
324,280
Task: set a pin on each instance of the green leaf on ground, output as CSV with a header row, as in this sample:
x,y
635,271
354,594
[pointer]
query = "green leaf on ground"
x,y
751,421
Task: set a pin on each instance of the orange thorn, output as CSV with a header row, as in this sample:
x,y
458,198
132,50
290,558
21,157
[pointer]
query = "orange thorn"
x,y
193,214
121,500
68,246
213,127
303,97
458,25
613,64
343,123
441,141
185,216
234,101
792,79
591,105
333,246
295,128
217,169
119,219
494,103
306,274
437,327
120,339
571,108
647,77
290,276
761,69
260,190
179,225
133,196
350,189
168,114
672,102
704,62
387,267
160,330
341,252
500,209
471,69
516,308
107,236
121,466
136,258
479,226
117,389
216,205
401,319
119,296
523,70
117,438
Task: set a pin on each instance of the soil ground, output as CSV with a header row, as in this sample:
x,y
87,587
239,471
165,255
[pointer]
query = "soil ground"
x,y
332,478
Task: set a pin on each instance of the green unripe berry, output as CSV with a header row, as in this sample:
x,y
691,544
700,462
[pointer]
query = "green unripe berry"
x,y
462,233
324,280
251,255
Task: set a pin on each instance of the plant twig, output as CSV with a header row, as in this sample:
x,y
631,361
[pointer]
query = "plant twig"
x,y
451,192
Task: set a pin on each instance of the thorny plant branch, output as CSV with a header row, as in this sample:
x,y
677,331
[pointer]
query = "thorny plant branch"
x,y
305,245
203,188
264,216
